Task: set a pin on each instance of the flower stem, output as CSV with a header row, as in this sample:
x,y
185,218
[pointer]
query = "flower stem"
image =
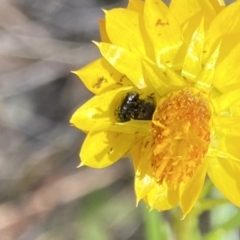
x,y
186,228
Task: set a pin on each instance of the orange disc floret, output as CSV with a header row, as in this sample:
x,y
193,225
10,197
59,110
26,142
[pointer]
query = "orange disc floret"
x,y
181,135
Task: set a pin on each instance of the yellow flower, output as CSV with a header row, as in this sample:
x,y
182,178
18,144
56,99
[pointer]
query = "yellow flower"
x,y
185,60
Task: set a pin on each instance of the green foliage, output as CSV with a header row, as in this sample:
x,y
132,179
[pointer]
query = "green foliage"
x,y
156,227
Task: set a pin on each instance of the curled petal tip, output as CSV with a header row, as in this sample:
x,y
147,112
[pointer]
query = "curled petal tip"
x,y
104,10
151,209
221,2
137,201
96,43
74,72
80,165
183,217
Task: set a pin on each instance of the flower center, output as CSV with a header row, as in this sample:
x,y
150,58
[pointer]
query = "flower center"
x,y
181,135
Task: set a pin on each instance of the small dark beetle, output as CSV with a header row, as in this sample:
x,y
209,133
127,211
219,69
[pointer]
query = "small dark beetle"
x,y
132,107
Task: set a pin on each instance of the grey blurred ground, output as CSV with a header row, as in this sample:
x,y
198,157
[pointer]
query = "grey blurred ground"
x,y
42,194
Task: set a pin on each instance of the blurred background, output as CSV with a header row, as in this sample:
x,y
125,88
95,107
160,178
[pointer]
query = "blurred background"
x,y
43,195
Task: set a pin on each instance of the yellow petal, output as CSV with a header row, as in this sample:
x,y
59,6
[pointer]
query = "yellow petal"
x,y
100,76
226,101
218,5
193,60
232,148
101,149
163,30
227,126
190,191
161,81
144,180
103,32
220,26
136,151
124,61
227,73
205,77
135,127
162,197
227,25
188,9
173,78
183,10
124,31
155,78
136,5
224,173
98,113
212,152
